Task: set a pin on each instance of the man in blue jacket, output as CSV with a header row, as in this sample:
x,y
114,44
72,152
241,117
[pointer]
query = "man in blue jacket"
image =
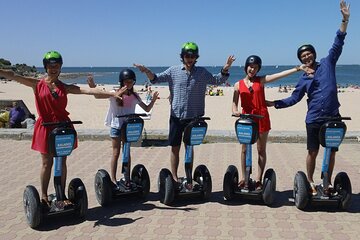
x,y
321,89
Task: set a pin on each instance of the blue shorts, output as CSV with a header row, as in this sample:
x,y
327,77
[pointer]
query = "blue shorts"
x,y
176,131
114,132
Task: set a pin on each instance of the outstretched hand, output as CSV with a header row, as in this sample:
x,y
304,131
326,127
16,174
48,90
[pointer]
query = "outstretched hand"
x,y
270,103
236,114
306,69
141,68
229,62
155,96
120,92
345,10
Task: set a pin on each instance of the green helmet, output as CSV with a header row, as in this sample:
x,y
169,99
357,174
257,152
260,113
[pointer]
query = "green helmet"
x,y
189,48
52,57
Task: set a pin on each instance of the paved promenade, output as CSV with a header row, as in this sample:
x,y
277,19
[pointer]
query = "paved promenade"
x,y
188,219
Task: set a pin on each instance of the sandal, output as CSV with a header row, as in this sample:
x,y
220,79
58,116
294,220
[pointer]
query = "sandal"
x,y
126,184
67,202
241,184
188,187
258,186
313,190
45,202
329,191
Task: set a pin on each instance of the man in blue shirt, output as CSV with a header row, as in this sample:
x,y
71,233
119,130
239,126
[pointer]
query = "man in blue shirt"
x,y
187,85
321,89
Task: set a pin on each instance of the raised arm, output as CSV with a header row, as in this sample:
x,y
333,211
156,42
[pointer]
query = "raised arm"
x,y
150,75
345,11
94,91
91,83
273,77
148,107
27,81
228,64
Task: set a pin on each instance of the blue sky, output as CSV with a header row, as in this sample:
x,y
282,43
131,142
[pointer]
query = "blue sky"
x,y
151,32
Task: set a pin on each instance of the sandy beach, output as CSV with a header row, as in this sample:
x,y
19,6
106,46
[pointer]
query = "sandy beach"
x,y
92,111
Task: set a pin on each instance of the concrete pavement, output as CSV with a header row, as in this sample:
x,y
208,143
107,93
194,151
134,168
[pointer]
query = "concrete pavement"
x,y
189,219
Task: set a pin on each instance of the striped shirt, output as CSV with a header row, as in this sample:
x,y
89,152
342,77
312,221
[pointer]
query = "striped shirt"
x,y
187,89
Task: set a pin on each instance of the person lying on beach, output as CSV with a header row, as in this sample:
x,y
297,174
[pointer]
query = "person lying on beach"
x,y
187,85
321,89
251,93
126,105
51,100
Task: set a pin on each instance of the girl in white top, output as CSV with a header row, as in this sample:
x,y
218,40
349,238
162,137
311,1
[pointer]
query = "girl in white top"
x,y
125,105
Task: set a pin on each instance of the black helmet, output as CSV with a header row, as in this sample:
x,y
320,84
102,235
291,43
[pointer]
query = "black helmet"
x,y
126,74
52,57
306,47
189,48
253,59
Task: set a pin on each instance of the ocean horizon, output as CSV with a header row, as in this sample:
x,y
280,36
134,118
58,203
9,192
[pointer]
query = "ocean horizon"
x,y
346,74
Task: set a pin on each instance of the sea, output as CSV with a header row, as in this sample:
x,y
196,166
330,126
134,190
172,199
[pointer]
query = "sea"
x,y
347,75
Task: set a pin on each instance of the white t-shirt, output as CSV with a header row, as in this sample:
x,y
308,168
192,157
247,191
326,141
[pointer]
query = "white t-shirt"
x,y
114,109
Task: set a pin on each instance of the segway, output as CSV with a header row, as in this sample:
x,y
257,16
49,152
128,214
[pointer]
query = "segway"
x,y
331,134
139,184
247,133
200,185
61,144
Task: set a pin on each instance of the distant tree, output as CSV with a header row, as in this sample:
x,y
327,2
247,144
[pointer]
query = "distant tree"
x,y
5,62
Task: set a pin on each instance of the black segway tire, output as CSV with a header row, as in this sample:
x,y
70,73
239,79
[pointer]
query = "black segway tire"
x,y
269,187
166,187
32,206
301,190
231,180
102,186
140,176
203,177
77,194
342,185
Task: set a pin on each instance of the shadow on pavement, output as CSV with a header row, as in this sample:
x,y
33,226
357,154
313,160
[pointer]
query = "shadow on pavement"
x,y
280,199
58,221
109,216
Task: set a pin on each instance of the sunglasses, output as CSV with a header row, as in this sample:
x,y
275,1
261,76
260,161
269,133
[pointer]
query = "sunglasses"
x,y
190,56
251,90
54,94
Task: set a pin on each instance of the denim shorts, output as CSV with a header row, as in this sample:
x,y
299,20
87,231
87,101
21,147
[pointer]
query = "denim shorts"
x,y
114,132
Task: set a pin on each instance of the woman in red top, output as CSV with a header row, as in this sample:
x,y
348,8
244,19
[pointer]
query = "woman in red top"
x,y
251,93
51,100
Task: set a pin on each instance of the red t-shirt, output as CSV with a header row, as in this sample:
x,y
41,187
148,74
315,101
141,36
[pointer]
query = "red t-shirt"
x,y
254,103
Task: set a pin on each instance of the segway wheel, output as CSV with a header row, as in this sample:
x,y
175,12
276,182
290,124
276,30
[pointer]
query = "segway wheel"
x,y
166,187
203,177
78,195
301,190
342,185
231,179
102,186
32,206
269,186
140,176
